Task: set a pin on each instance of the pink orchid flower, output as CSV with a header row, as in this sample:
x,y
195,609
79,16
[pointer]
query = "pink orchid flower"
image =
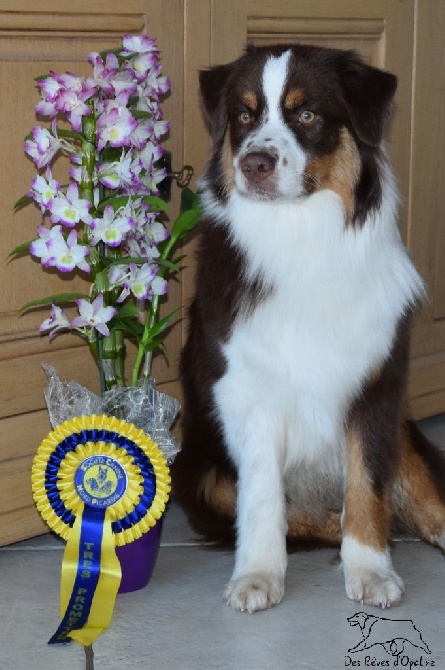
x,y
111,227
67,255
94,314
57,321
69,209
43,147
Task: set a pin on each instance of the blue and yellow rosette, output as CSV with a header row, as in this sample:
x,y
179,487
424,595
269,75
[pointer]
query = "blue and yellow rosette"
x,y
99,482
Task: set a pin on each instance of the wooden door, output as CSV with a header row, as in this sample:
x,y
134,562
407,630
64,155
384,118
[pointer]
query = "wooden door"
x,y
34,38
403,36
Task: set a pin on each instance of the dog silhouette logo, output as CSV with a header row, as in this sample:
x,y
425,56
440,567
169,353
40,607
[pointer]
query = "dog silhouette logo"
x,y
394,635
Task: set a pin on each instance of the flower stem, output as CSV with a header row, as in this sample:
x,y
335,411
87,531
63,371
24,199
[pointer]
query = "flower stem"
x,y
86,191
149,323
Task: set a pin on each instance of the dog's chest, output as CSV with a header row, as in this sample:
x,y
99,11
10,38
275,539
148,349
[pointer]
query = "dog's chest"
x,y
328,322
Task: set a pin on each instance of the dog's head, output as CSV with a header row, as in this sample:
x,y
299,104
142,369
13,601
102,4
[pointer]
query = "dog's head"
x,y
289,121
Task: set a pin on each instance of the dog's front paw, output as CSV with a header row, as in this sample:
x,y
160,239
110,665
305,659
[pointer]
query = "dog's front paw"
x,y
254,592
378,588
369,575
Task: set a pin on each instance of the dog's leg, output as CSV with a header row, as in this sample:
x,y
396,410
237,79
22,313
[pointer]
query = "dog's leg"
x,y
369,575
419,489
373,455
255,441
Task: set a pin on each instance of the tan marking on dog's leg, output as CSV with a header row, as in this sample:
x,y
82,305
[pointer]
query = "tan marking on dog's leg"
x,y
369,574
366,514
303,526
416,500
218,492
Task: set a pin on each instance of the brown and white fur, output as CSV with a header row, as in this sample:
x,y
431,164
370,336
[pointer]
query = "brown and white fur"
x,y
295,367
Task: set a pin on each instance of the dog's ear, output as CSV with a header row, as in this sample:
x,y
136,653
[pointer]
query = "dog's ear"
x,y
367,93
213,85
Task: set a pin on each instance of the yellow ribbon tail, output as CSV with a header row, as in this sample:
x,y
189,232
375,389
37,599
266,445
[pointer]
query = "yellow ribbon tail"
x,y
80,561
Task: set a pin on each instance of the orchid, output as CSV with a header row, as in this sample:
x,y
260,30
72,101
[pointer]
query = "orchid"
x,y
69,208
68,254
111,227
57,321
94,315
44,189
138,281
43,147
41,248
115,126
105,223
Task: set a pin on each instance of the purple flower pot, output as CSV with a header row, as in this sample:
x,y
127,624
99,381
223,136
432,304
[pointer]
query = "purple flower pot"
x,y
138,559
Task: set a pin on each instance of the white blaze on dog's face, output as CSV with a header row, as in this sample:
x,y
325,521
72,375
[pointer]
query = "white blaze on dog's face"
x,y
269,162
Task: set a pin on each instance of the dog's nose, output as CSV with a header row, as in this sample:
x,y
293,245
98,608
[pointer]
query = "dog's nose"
x,y
257,166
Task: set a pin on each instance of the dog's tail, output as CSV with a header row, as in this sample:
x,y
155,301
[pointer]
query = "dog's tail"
x,y
208,497
419,489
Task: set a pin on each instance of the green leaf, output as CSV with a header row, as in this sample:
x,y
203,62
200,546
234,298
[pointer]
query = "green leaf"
x,y
115,201
153,344
161,325
21,249
156,203
110,154
169,265
187,199
141,114
57,298
130,326
104,54
61,132
185,223
127,310
22,202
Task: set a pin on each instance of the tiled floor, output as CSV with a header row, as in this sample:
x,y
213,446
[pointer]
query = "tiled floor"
x,y
180,623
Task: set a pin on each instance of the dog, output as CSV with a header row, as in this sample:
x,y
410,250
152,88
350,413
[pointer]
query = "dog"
x,y
295,420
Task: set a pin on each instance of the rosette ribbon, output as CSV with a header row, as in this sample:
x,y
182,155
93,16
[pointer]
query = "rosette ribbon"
x,y
98,482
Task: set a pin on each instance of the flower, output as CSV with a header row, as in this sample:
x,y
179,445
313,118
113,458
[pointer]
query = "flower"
x,y
68,94
94,314
115,125
138,44
111,227
104,73
142,282
67,255
69,209
44,190
57,321
41,248
122,173
43,147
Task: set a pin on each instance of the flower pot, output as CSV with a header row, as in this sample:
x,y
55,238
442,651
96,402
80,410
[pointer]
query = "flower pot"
x,y
138,559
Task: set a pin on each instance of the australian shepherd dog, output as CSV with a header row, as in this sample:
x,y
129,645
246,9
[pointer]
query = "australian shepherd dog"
x,y
295,369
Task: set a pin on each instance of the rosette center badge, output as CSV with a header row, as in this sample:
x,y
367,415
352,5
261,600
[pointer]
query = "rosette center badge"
x,y
100,481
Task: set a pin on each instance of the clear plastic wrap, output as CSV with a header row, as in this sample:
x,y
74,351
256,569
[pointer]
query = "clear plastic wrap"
x,y
147,408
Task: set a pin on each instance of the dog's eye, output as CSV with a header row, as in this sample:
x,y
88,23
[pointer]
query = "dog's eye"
x,y
244,118
307,117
